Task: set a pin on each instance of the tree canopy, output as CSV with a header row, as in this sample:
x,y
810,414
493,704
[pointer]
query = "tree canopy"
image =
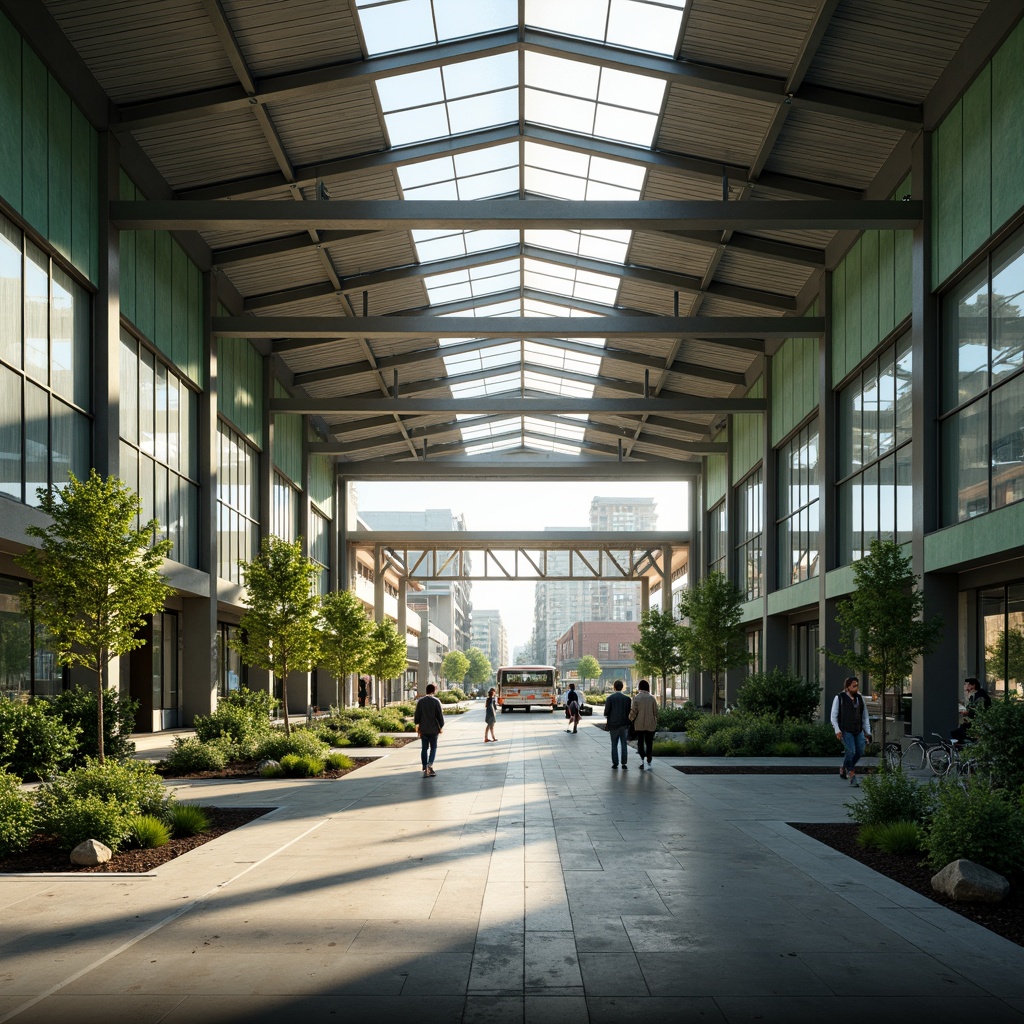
x,y
657,650
97,575
454,666
389,656
880,628
588,667
345,633
279,631
714,640
480,669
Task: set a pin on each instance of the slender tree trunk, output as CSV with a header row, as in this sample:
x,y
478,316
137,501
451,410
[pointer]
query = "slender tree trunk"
x,y
284,696
99,707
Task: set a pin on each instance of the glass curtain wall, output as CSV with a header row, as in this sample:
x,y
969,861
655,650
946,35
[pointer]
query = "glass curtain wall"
x,y
875,453
45,371
750,534
232,673
159,446
284,509
797,523
718,539
319,547
1002,640
28,664
983,387
238,495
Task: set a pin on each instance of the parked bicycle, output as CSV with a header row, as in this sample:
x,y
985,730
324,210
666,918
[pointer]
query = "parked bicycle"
x,y
943,758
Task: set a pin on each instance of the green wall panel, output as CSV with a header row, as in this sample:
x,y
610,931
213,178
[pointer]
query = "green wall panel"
x,y
869,266
10,114
977,163
48,154
840,359
240,386
794,385
288,441
59,169
35,166
886,281
163,284
800,595
717,475
321,483
145,275
1008,129
948,192
974,540
747,437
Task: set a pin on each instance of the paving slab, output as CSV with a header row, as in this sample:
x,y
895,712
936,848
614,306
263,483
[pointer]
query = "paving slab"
x,y
525,883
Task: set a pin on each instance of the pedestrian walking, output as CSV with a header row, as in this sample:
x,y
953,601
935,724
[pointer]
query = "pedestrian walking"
x,y
490,716
644,716
850,721
429,719
616,711
572,707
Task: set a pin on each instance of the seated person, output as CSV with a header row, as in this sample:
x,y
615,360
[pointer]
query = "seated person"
x,y
975,697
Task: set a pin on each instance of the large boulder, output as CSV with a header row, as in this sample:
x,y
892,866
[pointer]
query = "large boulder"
x,y
90,853
968,882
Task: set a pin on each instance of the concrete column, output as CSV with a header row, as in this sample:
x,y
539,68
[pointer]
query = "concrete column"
x,y
267,457
378,612
403,629
199,657
775,654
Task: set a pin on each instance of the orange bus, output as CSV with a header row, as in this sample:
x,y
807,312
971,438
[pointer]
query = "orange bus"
x,y
527,687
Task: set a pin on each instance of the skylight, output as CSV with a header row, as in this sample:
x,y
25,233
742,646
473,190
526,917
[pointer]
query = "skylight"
x,y
390,25
478,174
609,246
592,100
474,282
559,359
450,100
570,281
651,25
564,174
442,245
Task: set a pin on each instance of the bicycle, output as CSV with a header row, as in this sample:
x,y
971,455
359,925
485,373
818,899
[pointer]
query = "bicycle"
x,y
942,757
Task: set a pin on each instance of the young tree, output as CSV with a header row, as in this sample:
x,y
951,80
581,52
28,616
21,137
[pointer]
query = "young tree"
x,y
657,650
388,654
345,634
279,630
454,666
588,667
1004,657
480,669
715,640
97,575
880,628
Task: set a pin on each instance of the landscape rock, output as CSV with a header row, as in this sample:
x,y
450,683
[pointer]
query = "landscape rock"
x,y
968,882
268,764
90,853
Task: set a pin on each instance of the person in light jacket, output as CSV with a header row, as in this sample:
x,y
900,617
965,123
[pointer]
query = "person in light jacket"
x,y
644,716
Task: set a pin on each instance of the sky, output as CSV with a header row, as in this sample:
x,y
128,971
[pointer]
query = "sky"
x,y
519,506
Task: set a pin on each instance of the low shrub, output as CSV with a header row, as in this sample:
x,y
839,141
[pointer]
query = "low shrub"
x,y
693,748
192,755
703,726
998,748
78,707
134,785
669,748
779,695
34,740
404,709
302,743
411,726
339,761
243,716
301,767
79,818
453,709
678,719
187,820
336,738
899,837
147,832
815,739
17,815
726,742
979,822
385,741
787,748
448,697
271,771
362,734
890,795
595,698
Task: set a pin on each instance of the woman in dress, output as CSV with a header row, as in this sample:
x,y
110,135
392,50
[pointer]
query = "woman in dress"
x,y
490,714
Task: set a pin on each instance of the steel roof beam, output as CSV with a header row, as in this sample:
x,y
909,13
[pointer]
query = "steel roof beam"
x,y
514,466
661,159
515,406
333,328
504,214
315,82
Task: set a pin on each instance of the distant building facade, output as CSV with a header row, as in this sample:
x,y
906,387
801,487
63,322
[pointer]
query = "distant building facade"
x,y
490,635
610,642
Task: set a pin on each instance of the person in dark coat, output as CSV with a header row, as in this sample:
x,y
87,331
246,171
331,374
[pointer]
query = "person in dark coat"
x,y
429,719
616,711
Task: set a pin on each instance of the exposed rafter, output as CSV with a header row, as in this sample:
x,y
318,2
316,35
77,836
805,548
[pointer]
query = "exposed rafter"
x,y
499,214
518,466
517,327
315,82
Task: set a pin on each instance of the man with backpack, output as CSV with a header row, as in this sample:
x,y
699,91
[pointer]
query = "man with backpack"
x,y
850,721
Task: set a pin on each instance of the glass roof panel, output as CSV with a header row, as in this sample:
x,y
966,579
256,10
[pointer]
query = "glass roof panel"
x,y
609,246
625,89
441,245
552,385
566,430
417,87
478,161
409,126
461,284
650,25
493,108
629,126
390,25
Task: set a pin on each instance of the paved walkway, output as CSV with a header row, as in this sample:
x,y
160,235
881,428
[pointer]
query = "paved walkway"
x,y
526,883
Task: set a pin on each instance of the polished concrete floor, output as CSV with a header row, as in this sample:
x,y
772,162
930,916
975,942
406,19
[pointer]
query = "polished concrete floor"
x,y
526,882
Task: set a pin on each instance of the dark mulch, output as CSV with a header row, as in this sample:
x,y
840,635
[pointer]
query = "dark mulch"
x,y
45,855
250,770
1006,918
761,769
